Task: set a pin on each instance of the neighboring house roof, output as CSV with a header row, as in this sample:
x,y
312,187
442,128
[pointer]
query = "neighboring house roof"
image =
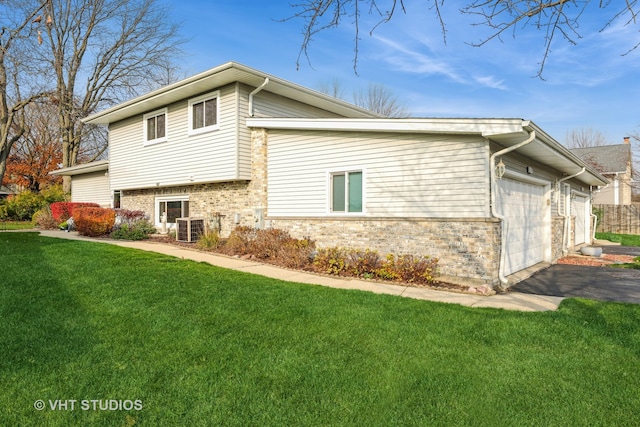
x,y
5,191
219,76
101,165
506,132
607,159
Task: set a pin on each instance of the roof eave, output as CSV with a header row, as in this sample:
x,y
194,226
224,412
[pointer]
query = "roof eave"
x,y
220,76
99,166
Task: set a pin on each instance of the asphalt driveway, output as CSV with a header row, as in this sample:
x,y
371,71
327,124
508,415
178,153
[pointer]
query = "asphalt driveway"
x,y
598,283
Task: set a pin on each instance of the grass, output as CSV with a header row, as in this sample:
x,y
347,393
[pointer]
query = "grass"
x,y
199,345
15,225
623,239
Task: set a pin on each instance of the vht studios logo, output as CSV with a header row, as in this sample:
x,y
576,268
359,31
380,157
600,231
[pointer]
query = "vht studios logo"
x,y
88,405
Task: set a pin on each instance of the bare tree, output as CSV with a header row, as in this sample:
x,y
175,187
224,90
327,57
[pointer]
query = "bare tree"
x,y
100,52
584,138
16,26
333,88
556,18
380,99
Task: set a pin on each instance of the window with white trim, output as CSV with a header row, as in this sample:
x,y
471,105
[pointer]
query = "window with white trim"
x,y
155,127
174,207
203,113
346,191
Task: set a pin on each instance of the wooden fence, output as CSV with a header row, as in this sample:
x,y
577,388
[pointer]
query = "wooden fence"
x,y
621,219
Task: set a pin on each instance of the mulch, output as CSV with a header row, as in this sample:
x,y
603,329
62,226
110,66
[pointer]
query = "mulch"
x,y
602,261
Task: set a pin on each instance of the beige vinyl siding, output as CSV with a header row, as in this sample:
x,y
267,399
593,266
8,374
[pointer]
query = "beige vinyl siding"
x,y
267,104
404,175
91,187
183,158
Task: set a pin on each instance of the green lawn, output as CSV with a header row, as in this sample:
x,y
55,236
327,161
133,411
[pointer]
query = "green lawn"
x,y
198,345
15,225
623,239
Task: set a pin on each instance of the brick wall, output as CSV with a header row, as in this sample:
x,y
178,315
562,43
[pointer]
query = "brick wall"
x,y
468,249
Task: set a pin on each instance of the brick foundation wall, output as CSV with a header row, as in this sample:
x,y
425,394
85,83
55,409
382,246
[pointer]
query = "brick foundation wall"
x,y
557,228
468,249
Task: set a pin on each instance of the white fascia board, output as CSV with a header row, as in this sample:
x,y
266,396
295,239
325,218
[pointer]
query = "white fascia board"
x,y
101,165
482,127
215,78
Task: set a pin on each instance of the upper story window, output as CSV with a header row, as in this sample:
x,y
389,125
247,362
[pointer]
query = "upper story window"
x,y
203,113
346,192
155,127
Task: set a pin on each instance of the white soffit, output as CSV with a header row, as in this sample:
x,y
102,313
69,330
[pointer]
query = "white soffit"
x,y
220,76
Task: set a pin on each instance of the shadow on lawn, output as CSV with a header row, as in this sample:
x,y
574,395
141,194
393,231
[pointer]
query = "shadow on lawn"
x,y
43,324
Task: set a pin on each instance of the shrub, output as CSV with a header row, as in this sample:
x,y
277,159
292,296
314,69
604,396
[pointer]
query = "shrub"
x,y
296,253
62,211
267,243
363,263
54,193
125,216
331,260
409,268
139,230
367,263
209,240
91,221
239,240
272,245
21,207
44,220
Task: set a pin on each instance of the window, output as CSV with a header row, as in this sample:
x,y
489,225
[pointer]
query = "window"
x,y
155,127
203,113
346,191
177,207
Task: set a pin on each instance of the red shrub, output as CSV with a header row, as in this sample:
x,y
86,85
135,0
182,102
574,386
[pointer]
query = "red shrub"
x,y
62,211
94,221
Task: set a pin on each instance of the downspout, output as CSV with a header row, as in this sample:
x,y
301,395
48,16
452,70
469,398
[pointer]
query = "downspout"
x,y
494,212
565,215
593,216
254,92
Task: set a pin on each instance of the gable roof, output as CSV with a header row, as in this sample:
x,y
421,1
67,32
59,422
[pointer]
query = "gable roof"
x,y
606,158
219,76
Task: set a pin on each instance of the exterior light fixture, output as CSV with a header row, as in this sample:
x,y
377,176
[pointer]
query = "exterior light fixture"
x,y
500,169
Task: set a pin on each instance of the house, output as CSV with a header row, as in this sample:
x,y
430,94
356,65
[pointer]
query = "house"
x,y
613,162
5,192
488,197
89,182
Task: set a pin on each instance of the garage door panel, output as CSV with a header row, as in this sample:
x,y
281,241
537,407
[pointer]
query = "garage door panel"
x,y
578,209
523,207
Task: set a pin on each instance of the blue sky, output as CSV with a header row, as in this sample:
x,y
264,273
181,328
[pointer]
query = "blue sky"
x,y
590,85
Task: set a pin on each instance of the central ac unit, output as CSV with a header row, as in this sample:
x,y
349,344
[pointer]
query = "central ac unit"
x,y
189,229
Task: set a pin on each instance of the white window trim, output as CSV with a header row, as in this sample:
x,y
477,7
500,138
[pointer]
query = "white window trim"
x,y
166,126
176,198
331,172
198,99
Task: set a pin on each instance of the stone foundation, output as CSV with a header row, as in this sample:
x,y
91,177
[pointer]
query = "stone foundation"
x,y
468,249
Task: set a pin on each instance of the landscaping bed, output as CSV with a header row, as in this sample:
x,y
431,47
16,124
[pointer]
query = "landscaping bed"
x,y
602,261
414,273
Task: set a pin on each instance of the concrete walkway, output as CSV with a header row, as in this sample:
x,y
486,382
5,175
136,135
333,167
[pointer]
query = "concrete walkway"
x,y
509,301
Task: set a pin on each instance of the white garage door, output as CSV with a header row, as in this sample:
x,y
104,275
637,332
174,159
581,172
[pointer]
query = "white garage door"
x,y
579,210
523,205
